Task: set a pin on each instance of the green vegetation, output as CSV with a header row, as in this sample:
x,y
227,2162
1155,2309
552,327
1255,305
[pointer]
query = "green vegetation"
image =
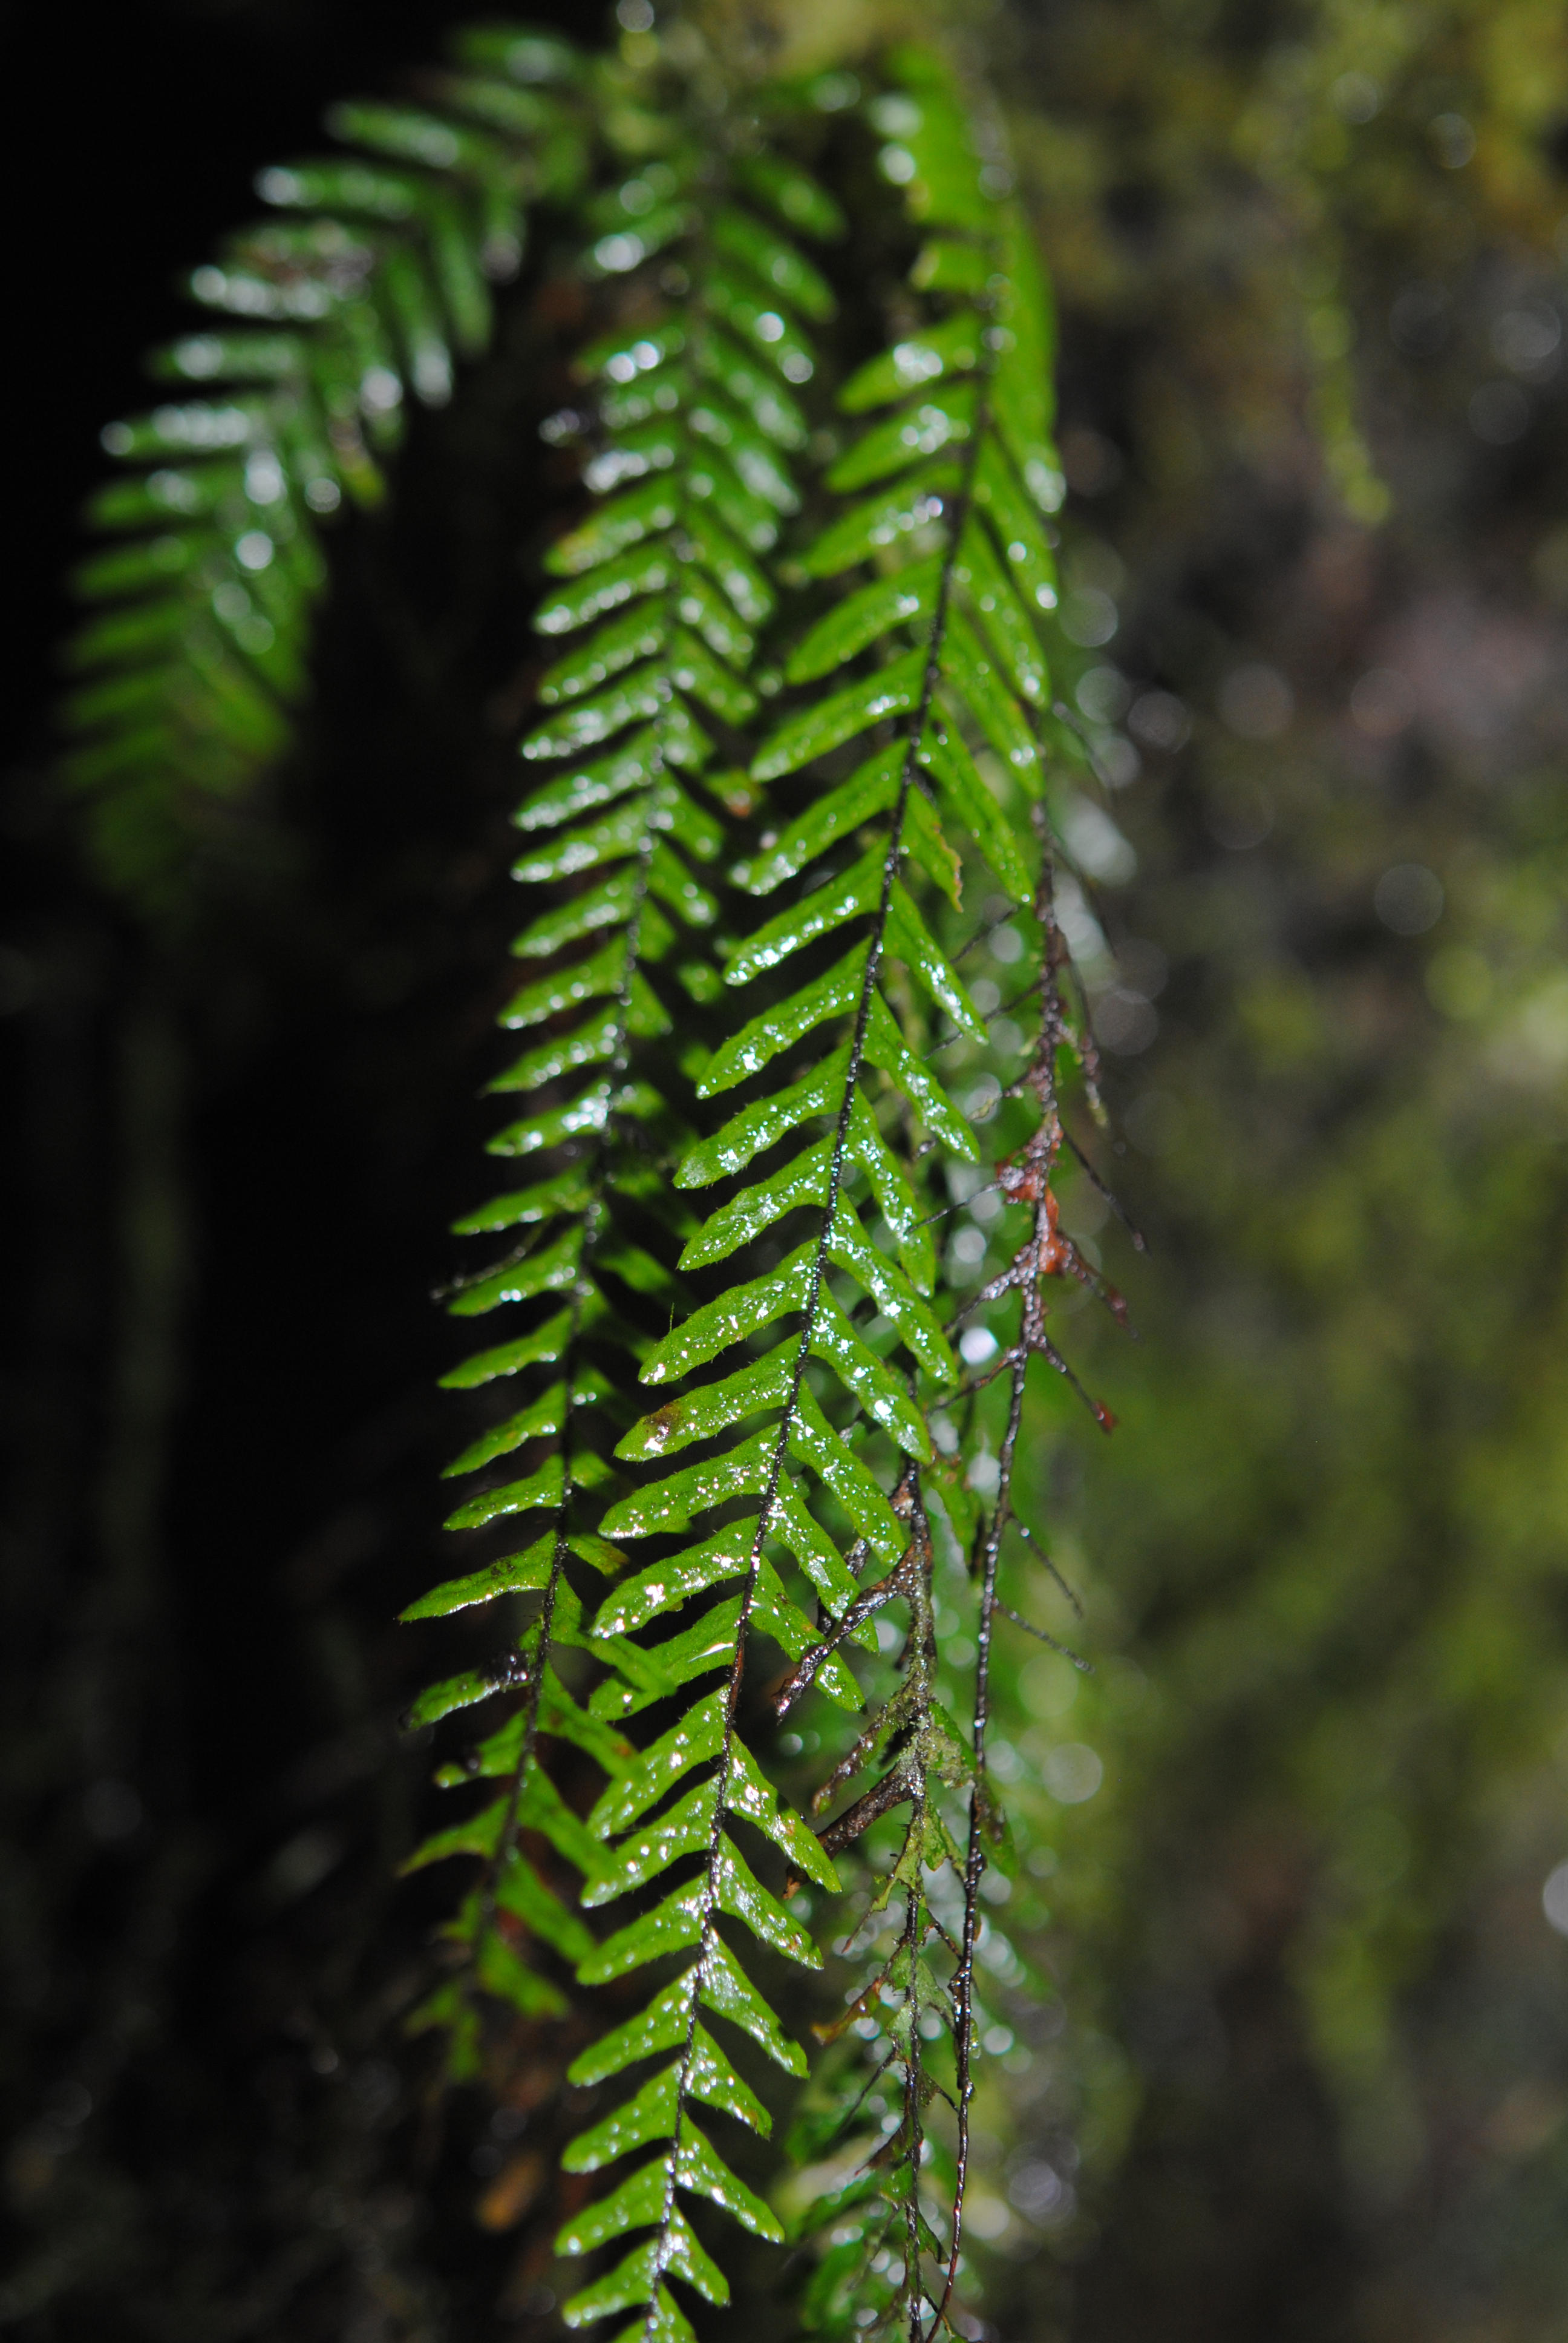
x,y
902,1858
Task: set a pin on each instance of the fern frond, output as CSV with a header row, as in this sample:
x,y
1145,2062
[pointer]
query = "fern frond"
x,y
935,657
691,423
369,284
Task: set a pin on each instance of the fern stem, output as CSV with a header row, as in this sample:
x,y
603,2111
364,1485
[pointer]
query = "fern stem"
x,y
912,2099
1031,1335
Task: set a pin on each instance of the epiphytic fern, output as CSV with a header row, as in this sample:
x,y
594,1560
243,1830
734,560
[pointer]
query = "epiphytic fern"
x,y
689,398
913,822
941,644
373,280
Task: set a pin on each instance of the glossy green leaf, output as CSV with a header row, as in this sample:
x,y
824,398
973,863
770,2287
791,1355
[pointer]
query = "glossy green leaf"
x,y
519,1890
618,644
647,569
953,347
867,792
855,890
881,521
773,1614
752,318
744,1309
516,1574
701,605
970,804
835,994
630,2282
973,674
693,667
566,795
637,696
523,1207
708,1645
503,1972
813,1439
544,1487
638,1268
947,264
886,1047
698,1737
803,1181
764,1123
908,937
742,1895
792,1524
661,2026
635,2281
637,2204
669,1504
478,1833
561,1715
611,839
944,185
543,1416
729,1993
779,265
540,1805
750,1794
687,1828
588,1044
619,355
892,690
894,1296
863,618
665,1585
878,1390
894,1195
1003,620
713,478
608,905
444,1699
923,840
616,525
590,1112
1019,535
539,1347
924,428
668,879
758,468
771,407
710,1409
667,1928
677,813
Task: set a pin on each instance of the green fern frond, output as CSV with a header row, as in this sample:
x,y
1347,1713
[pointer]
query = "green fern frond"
x,y
691,424
938,647
365,290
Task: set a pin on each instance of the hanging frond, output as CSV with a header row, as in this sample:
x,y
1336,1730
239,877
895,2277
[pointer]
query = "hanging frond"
x,y
366,287
691,423
817,1447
